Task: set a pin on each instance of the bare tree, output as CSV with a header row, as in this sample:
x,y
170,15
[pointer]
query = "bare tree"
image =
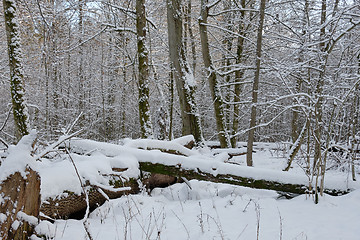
x,y
211,75
144,108
255,88
239,73
184,79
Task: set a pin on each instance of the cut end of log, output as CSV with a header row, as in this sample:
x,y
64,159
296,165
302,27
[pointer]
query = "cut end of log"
x,y
21,197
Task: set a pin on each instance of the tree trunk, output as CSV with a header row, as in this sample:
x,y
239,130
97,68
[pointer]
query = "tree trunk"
x,y
144,108
318,161
213,83
191,36
20,111
239,74
178,171
171,103
20,196
81,74
184,79
250,143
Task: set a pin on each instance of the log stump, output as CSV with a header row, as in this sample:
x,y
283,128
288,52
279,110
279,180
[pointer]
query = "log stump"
x,y
19,195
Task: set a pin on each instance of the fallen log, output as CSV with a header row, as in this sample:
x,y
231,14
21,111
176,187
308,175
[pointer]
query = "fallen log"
x,y
74,206
282,188
206,168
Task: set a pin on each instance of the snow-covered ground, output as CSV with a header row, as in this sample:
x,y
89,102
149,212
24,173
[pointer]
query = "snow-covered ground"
x,y
215,211
204,210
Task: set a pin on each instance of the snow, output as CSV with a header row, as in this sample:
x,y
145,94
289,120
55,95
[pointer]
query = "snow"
x,y
215,211
184,140
19,157
190,210
15,225
157,144
213,165
189,79
2,217
30,219
59,176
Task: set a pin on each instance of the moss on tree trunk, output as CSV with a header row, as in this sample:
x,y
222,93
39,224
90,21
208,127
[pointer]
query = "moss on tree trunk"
x,y
178,171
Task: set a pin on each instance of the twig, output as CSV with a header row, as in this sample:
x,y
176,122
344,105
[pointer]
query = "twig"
x,y
257,210
242,231
6,119
86,195
3,142
247,205
56,144
187,231
73,124
78,175
281,224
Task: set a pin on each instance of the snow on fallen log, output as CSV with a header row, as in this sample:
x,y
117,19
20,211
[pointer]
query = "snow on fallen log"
x,y
103,178
19,190
209,168
176,146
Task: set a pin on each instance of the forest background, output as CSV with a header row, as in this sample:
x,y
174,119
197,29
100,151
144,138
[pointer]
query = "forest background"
x,y
290,68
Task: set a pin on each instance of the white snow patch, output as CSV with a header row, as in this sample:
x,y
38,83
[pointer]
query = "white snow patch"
x,y
2,217
58,176
19,158
217,211
24,217
158,144
15,225
46,228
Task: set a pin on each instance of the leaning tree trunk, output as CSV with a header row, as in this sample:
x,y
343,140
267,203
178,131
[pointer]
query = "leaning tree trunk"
x,y
213,83
184,79
20,111
144,108
255,89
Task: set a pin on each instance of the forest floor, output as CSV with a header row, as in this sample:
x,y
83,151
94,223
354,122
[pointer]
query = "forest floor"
x,y
206,210
193,209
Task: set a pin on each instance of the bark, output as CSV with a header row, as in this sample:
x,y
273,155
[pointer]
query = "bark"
x,y
171,103
296,146
318,161
110,113
255,89
184,79
211,75
20,195
299,80
81,74
227,43
178,171
74,206
20,111
143,67
191,36
239,74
